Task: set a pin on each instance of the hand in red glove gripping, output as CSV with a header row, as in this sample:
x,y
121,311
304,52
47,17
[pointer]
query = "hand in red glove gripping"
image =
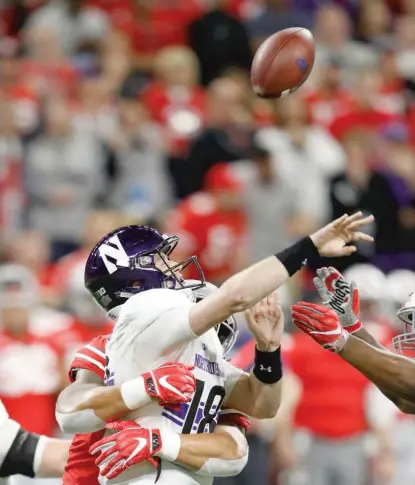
x,y
341,296
171,383
321,323
132,444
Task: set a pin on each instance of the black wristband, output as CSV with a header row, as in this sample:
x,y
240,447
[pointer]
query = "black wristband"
x,y
20,457
268,366
296,256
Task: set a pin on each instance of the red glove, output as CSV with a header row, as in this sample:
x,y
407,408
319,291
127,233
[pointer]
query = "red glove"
x,y
131,445
321,323
171,383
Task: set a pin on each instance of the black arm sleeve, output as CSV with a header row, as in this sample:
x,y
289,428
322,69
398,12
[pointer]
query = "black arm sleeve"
x,y
20,457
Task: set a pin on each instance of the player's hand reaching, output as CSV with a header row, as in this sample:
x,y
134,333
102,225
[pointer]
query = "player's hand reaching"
x,y
172,384
266,322
339,295
321,323
332,239
132,444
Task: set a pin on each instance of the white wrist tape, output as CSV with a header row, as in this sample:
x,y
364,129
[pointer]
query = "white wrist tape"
x,y
170,446
134,393
219,467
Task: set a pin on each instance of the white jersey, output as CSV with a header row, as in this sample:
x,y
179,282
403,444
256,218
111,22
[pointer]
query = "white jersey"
x,y
153,328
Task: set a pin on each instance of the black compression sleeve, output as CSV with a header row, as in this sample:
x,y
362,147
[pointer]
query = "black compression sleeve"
x,y
296,256
20,457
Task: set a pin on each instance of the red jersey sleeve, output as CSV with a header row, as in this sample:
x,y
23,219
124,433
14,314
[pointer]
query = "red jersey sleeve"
x,y
233,417
90,357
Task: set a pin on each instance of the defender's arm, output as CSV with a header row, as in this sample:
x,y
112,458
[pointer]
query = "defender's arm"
x,y
221,453
403,404
86,405
392,373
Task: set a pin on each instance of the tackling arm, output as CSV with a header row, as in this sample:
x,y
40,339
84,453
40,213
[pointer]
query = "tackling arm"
x,y
86,405
221,453
403,404
392,373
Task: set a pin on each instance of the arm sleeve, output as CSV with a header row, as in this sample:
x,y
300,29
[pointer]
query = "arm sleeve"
x,y
152,324
20,450
90,357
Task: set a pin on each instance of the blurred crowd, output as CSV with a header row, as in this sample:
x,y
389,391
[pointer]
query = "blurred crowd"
x,y
141,111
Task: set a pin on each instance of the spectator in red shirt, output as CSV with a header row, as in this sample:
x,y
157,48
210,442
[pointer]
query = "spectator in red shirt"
x,y
174,99
211,225
368,114
46,68
31,370
31,249
329,100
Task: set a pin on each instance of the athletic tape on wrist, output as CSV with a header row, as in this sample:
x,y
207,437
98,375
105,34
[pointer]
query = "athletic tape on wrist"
x,y
170,446
297,255
268,366
133,393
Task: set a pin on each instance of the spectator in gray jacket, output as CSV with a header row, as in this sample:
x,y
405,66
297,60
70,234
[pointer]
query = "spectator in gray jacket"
x,y
65,175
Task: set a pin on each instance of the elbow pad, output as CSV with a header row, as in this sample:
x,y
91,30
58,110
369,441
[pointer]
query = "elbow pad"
x,y
84,421
219,467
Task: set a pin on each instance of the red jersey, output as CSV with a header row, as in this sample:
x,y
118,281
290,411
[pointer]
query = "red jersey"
x,y
79,334
80,468
64,267
164,24
180,111
213,236
332,404
325,109
30,378
368,120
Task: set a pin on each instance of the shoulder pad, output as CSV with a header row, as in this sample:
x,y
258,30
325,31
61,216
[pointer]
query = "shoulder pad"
x,y
149,305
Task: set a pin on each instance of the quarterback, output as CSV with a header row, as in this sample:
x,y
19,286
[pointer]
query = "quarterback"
x,y
227,445
131,276
336,326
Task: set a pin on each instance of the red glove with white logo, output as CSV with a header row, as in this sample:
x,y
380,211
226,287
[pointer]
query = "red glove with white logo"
x,y
341,296
321,323
131,445
171,383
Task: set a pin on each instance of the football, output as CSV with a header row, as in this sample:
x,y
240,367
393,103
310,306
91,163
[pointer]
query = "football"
x,y
282,63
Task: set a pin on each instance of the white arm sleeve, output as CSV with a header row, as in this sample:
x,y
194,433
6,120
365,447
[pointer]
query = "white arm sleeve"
x,y
218,467
152,323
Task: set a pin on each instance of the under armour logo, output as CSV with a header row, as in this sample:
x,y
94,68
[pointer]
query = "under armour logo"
x,y
265,369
